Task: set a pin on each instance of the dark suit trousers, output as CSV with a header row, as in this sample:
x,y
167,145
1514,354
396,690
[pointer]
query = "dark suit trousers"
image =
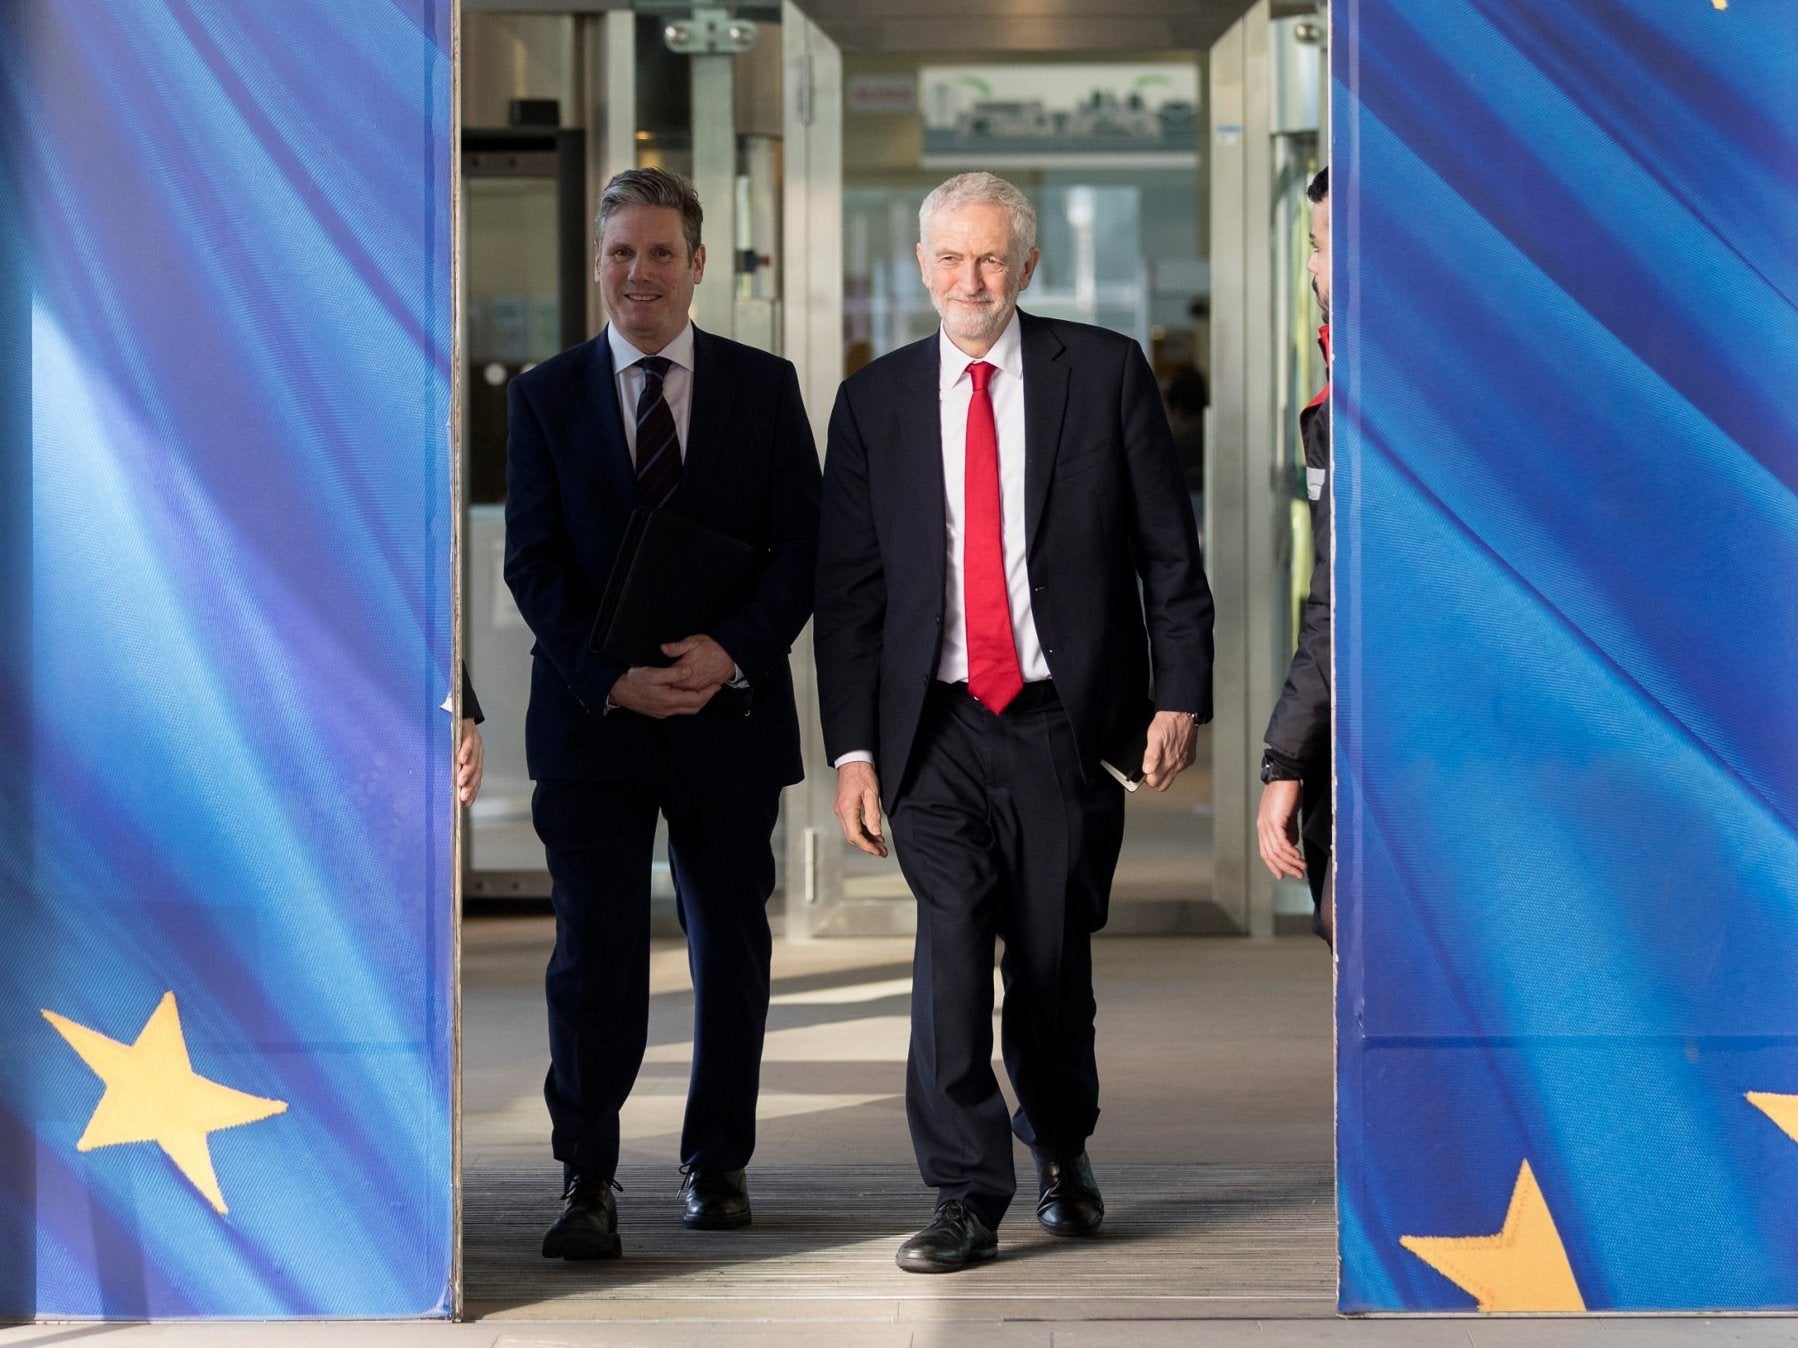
x,y
599,838
999,834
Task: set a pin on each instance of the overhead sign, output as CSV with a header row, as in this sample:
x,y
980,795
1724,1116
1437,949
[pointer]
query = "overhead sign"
x,y
1060,115
867,93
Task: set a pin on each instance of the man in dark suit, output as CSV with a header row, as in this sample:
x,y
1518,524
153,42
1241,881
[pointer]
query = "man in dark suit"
x,y
655,413
1295,766
994,497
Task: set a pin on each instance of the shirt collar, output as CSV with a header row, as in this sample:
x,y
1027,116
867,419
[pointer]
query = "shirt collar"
x,y
1007,354
680,350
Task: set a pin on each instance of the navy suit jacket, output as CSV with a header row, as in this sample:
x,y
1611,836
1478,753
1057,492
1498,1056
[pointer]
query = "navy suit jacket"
x,y
1117,587
750,470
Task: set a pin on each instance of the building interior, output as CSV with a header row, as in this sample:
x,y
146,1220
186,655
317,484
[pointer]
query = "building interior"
x,y
809,146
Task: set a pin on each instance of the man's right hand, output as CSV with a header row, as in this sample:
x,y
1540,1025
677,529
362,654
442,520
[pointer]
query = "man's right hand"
x,y
1277,830
650,691
858,807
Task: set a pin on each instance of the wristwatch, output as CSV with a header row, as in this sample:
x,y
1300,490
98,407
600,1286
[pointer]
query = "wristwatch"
x,y
1273,770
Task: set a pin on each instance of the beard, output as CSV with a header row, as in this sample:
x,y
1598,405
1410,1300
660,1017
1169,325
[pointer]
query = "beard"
x,y
981,322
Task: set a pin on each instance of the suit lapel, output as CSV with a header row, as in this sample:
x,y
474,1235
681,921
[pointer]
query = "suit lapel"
x,y
1045,408
708,421
918,411
594,398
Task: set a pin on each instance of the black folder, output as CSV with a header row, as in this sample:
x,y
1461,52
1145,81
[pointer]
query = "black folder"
x,y
1122,754
674,577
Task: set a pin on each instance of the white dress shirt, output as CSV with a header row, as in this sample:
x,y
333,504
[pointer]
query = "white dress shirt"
x,y
955,389
677,384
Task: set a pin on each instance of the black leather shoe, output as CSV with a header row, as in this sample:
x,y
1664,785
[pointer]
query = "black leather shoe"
x,y
717,1200
588,1226
1068,1202
954,1239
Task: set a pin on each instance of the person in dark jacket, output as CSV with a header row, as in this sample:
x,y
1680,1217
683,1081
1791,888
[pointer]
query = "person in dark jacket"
x,y
655,414
1010,600
1295,766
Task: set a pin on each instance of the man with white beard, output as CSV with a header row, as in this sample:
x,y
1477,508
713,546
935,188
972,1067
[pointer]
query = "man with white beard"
x,y
1012,619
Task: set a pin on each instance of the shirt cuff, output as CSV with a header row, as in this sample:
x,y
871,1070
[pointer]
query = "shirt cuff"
x,y
1290,769
854,756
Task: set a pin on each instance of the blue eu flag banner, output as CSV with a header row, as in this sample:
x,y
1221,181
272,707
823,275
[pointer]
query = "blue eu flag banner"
x,y
1566,312
226,991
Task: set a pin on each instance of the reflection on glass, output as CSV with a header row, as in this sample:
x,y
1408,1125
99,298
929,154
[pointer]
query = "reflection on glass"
x,y
513,313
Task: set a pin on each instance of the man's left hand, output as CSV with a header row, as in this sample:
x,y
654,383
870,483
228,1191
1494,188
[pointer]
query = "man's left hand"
x,y
1169,751
699,663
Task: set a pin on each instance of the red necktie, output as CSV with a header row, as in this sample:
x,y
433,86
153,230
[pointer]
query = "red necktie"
x,y
994,677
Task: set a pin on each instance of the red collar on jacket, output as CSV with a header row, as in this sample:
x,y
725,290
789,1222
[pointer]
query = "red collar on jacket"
x,y
1323,340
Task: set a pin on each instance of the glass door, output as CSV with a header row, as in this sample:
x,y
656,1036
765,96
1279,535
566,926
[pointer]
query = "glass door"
x,y
523,194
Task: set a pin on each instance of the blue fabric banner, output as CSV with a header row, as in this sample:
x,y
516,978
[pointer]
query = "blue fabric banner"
x,y
226,990
1566,315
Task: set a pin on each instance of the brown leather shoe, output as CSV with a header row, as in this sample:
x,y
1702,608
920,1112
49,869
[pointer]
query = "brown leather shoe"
x,y
588,1226
716,1200
1068,1202
954,1239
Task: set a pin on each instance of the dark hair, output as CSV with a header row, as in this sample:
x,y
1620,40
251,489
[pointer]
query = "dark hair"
x,y
1320,186
651,187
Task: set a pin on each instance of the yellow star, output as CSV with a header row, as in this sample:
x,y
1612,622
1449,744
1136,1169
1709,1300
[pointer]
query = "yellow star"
x,y
154,1095
1523,1268
1782,1109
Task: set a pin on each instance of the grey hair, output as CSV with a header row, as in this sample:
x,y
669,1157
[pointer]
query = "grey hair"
x,y
651,187
968,189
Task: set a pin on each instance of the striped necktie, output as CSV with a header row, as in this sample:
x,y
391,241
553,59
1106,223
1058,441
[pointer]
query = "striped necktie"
x,y
658,446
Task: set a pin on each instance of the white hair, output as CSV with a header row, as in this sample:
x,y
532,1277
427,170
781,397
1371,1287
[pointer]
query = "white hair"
x,y
968,189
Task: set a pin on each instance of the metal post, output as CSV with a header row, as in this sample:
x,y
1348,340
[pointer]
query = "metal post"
x,y
811,290
712,39
607,81
1245,530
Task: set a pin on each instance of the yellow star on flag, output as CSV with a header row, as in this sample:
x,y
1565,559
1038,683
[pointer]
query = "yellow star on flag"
x,y
1782,1109
1523,1268
154,1095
